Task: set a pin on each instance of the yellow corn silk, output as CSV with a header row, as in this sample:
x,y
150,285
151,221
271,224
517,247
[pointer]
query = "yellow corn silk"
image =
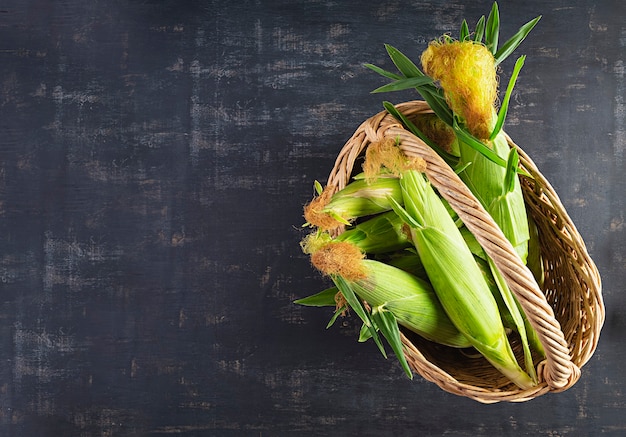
x,y
437,131
359,198
466,72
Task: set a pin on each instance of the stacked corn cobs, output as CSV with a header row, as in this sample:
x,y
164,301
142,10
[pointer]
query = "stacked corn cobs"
x,y
404,258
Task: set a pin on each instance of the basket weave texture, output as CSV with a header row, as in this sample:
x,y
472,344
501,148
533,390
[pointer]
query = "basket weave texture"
x,y
567,313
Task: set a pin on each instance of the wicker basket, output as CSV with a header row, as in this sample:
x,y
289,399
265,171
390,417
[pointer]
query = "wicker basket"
x,y
567,314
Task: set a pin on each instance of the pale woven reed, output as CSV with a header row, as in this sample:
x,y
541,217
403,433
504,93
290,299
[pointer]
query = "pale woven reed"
x,y
567,313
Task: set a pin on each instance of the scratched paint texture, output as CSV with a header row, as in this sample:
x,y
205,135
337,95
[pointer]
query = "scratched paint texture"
x,y
154,158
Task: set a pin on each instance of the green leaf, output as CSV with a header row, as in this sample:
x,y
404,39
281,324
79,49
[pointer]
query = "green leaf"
x,y
364,333
511,172
357,307
477,145
437,102
336,314
340,219
514,42
388,326
404,84
464,32
517,316
403,63
492,29
385,73
479,33
461,168
322,299
404,215
408,124
318,187
507,97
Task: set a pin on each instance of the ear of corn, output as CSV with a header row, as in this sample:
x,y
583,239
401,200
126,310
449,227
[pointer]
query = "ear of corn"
x,y
487,181
497,187
412,301
361,198
382,295
455,277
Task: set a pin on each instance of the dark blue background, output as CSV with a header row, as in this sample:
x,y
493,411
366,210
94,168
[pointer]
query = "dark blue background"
x,y
154,160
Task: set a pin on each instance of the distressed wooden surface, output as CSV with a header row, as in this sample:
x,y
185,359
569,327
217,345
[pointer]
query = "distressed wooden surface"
x,y
154,158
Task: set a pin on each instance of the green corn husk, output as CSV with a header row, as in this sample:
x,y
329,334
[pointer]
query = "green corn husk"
x,y
384,297
380,234
486,180
455,276
411,300
362,198
512,313
409,261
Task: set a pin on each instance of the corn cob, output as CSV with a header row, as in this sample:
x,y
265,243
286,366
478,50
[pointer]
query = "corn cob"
x,y
387,291
466,72
455,277
358,199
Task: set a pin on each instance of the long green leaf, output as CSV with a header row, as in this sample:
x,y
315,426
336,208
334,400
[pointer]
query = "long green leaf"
x,y
477,145
504,108
356,305
322,299
336,314
479,33
514,42
437,102
464,32
382,72
492,29
415,222
404,84
388,326
403,63
408,124
516,315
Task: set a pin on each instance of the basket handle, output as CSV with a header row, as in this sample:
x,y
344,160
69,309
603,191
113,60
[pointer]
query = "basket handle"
x,y
557,370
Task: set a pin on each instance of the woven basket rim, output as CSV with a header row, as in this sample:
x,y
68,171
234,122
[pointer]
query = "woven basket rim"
x,y
561,368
